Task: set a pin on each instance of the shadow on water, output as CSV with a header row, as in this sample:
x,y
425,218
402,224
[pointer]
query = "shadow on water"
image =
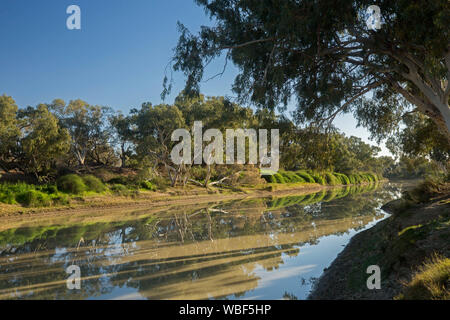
x,y
269,248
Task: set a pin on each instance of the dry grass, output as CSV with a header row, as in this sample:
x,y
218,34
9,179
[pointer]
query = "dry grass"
x,y
431,281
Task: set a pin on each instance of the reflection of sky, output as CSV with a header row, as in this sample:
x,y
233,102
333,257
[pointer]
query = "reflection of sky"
x,y
294,275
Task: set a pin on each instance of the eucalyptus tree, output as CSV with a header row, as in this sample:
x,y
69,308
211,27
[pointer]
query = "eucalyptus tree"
x,y
88,128
9,132
43,141
324,54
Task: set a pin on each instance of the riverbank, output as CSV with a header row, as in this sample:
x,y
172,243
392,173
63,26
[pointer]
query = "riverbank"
x,y
399,245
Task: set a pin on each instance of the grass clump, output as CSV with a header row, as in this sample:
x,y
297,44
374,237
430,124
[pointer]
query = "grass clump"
x,y
34,198
331,179
431,281
147,185
342,178
93,184
318,179
72,184
306,176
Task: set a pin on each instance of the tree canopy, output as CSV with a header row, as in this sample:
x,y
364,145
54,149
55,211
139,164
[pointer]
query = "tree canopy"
x,y
323,54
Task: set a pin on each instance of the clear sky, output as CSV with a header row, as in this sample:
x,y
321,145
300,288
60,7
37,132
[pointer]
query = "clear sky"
x,y
117,59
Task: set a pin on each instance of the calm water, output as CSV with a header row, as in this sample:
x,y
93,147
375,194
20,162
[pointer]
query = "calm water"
x,y
271,248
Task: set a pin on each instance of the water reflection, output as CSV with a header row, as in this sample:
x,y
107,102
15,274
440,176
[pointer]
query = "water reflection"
x,y
258,249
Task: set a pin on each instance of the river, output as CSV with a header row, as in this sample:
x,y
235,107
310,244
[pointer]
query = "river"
x,y
266,248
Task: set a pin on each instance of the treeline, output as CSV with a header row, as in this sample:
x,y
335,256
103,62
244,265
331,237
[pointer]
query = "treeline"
x,y
53,139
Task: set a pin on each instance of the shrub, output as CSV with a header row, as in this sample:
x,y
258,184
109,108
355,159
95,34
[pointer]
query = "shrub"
x,y
318,179
306,176
119,180
50,189
62,199
373,176
342,178
120,189
270,178
148,185
71,183
160,183
33,198
8,197
293,177
93,184
250,177
331,179
279,178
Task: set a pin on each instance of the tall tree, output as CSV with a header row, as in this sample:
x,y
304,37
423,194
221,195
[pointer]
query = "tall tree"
x,y
43,141
323,53
87,126
9,132
123,131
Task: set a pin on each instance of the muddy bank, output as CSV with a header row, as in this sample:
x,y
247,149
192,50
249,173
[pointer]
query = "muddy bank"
x,y
398,245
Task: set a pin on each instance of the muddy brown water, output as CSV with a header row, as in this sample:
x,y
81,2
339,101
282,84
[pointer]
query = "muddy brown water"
x,y
268,248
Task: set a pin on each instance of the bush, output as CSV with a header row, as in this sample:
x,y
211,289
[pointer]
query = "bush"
x,y
306,176
342,178
331,179
373,176
33,198
119,180
160,183
121,190
250,177
318,179
7,196
270,178
279,178
71,183
148,185
94,184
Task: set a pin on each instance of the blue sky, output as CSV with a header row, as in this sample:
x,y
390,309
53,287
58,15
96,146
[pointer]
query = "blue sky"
x,y
117,59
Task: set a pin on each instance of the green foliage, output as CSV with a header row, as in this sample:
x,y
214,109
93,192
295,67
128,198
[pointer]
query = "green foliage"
x,y
255,36
71,183
318,179
331,179
120,180
305,176
33,198
93,184
148,186
160,183
342,178
121,190
279,178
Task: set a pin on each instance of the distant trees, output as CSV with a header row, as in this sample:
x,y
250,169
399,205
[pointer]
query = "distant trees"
x,y
88,128
43,139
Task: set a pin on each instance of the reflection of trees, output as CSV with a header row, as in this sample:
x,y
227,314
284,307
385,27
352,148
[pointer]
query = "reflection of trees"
x,y
196,253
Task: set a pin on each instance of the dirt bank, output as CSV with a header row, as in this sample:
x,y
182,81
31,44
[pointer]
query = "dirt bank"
x,y
102,208
398,245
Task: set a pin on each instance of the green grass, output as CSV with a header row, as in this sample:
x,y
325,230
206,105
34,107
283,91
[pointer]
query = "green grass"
x,y
324,178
